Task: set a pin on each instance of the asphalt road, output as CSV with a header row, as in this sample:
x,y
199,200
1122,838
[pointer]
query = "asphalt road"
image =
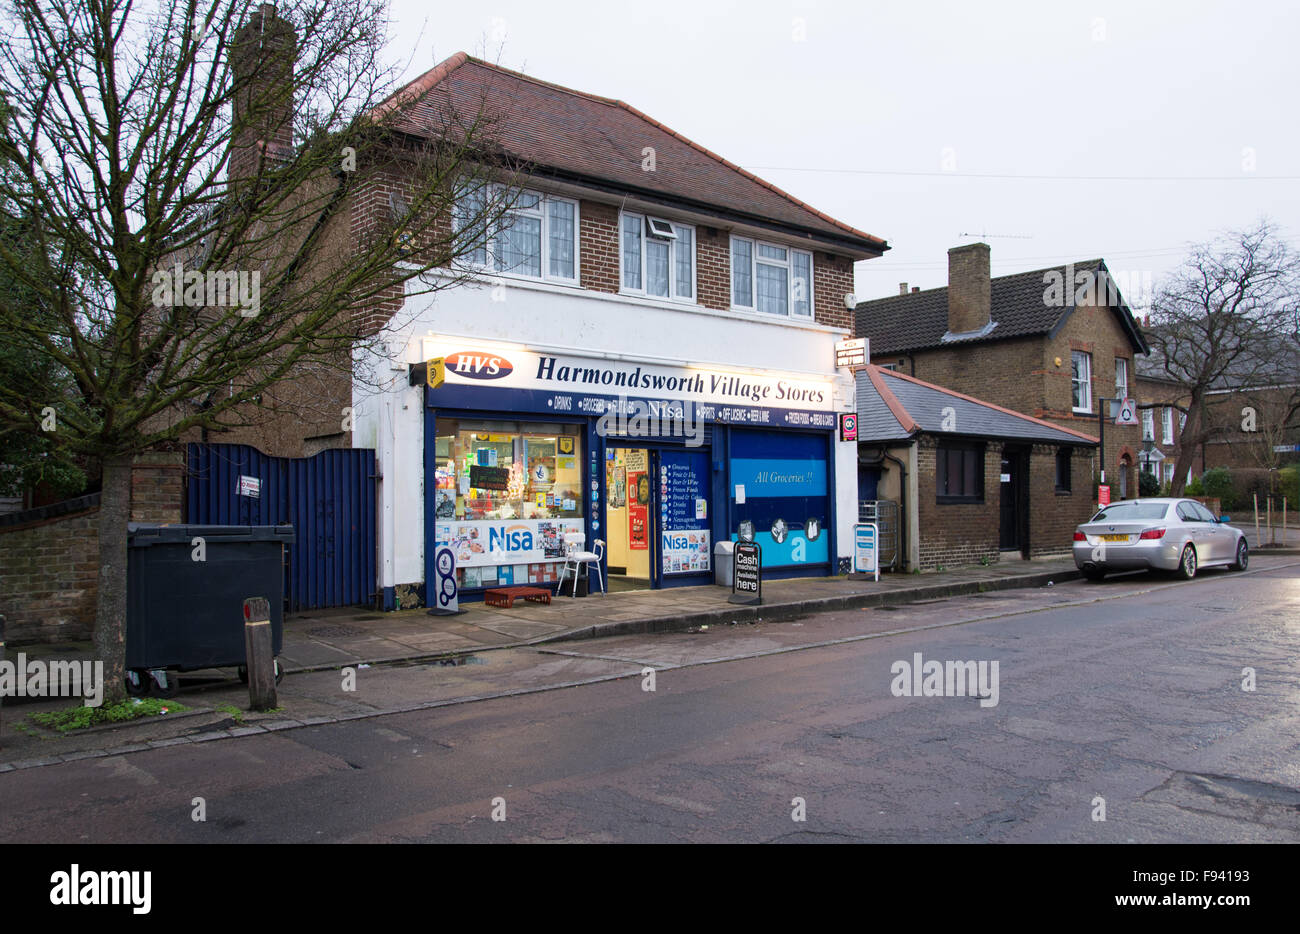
x,y
1128,691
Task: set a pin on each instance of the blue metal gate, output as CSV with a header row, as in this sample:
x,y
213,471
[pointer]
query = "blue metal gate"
x,y
329,499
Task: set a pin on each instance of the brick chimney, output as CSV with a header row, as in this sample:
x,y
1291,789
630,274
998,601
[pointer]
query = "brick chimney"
x,y
902,288
262,54
970,296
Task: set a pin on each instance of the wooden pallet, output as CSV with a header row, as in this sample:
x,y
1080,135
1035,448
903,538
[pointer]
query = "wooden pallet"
x,y
506,596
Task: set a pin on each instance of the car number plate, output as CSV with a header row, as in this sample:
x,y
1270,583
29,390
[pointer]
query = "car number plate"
x,y
1114,538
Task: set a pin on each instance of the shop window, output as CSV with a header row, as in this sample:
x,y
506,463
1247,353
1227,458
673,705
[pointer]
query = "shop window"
x,y
506,494
959,473
1063,470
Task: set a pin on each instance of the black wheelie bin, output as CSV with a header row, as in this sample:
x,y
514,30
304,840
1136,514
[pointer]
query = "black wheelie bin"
x,y
186,586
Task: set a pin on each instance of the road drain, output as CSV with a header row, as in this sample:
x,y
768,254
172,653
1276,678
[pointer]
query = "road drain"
x,y
335,632
461,660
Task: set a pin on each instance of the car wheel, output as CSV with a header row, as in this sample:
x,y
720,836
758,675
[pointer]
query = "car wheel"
x,y
1243,556
1187,564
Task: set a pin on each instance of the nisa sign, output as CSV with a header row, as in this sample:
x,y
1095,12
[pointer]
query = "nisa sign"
x,y
514,538
676,541
478,365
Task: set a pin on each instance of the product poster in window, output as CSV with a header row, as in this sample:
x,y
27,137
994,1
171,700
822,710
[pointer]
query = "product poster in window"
x,y
685,539
638,510
507,541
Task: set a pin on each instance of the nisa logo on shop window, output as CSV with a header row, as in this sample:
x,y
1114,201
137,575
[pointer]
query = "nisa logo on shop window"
x,y
478,365
514,538
676,541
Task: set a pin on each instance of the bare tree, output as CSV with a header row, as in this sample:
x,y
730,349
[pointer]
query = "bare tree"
x,y
1216,323
188,172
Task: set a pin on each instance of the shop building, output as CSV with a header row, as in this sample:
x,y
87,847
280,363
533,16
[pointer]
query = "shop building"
x,y
646,357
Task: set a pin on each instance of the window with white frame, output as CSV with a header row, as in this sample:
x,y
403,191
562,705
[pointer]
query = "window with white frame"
x,y
1167,425
657,257
1121,378
1169,472
771,278
1081,381
1148,424
537,238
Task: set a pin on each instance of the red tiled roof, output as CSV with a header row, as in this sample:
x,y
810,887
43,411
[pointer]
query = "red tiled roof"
x,y
593,137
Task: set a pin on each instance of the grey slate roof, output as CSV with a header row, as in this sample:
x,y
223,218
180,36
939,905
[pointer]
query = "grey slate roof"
x,y
919,320
922,406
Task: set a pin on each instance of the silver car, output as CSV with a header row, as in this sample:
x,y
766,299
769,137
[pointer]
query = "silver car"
x,y
1177,535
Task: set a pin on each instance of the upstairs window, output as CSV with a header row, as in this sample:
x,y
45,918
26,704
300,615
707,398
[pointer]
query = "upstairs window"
x,y
770,278
1081,381
536,238
1167,425
1148,424
1121,378
658,257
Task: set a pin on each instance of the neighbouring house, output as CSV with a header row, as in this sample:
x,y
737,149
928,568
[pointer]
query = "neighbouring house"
x,y
1162,408
974,481
1253,413
645,358
1058,344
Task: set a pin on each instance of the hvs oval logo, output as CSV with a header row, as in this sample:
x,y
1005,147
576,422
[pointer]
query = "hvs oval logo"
x,y
478,365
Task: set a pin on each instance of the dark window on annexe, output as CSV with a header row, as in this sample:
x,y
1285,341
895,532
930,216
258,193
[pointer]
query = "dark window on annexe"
x,y
1063,457
959,471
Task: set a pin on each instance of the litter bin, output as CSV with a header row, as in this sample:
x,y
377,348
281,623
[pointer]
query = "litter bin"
x,y
723,565
183,613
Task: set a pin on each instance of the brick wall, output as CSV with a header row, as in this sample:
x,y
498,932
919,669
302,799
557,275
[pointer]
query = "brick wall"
x,y
832,279
1053,515
713,267
49,566
953,534
1007,373
598,246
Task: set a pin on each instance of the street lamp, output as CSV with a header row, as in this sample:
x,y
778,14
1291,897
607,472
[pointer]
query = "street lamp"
x,y
1148,445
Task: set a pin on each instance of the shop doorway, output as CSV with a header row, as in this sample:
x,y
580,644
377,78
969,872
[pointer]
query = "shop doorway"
x,y
629,518
657,520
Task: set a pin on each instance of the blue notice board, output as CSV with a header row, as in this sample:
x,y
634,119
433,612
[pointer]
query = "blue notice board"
x,y
684,479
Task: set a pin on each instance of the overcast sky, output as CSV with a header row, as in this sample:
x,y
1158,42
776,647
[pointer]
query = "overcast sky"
x,y
1127,128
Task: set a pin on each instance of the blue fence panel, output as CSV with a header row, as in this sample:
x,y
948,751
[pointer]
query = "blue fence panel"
x,y
329,499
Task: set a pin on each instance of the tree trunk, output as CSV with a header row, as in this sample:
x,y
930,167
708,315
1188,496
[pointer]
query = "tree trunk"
x,y
110,611
1188,439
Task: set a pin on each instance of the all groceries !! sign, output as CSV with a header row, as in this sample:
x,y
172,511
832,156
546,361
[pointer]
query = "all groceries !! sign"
x,y
509,377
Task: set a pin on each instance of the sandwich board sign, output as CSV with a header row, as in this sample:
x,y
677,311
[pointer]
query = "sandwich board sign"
x,y
866,549
747,574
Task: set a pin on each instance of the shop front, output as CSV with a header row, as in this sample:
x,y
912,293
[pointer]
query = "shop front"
x,y
656,459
